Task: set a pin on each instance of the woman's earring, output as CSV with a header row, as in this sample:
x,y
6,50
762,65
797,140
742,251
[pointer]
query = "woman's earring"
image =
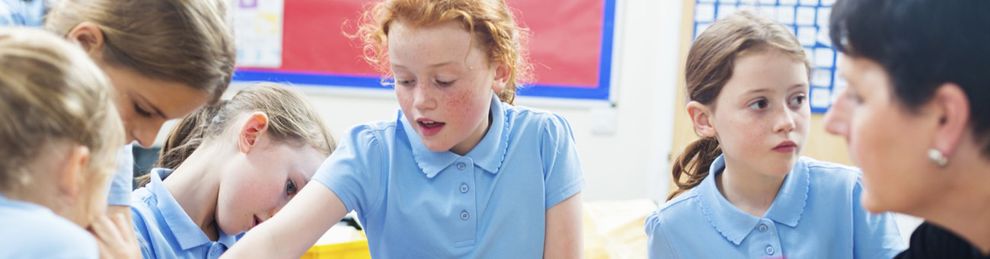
x,y
937,157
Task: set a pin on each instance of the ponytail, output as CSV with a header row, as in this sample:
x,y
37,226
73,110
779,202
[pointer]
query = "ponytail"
x,y
694,163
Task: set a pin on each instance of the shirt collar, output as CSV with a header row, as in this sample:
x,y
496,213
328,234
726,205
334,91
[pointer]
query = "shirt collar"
x,y
186,232
734,224
488,154
792,198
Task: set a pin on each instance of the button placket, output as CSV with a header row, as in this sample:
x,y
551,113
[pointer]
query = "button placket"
x,y
765,240
462,184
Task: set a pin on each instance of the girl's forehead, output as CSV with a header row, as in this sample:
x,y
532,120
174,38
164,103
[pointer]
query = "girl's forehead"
x,y
433,45
767,72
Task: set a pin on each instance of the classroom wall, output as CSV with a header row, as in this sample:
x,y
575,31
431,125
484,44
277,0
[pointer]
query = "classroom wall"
x,y
627,163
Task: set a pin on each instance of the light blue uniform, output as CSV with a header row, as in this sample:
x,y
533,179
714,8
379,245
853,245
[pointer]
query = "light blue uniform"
x,y
28,13
816,214
28,230
122,183
164,230
489,203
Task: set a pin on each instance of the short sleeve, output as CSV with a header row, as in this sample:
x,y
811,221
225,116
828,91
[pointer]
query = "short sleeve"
x,y
356,170
562,168
656,239
122,181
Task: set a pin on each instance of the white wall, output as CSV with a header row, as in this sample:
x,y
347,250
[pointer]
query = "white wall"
x,y
631,162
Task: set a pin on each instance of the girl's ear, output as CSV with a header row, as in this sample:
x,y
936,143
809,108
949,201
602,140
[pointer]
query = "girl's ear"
x,y
69,175
501,78
254,127
701,118
90,37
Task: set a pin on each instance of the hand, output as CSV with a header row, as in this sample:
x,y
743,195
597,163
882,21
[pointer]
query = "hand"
x,y
115,235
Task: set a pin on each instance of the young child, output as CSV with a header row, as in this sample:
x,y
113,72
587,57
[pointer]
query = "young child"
x,y
229,166
747,192
459,172
57,143
165,58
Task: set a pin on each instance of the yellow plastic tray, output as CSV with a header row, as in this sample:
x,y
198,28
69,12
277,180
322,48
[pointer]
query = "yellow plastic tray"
x,y
349,250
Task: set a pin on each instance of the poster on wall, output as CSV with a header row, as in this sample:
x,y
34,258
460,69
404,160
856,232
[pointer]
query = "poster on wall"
x,y
258,32
808,20
570,46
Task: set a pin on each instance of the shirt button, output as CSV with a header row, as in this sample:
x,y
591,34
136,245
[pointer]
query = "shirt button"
x,y
769,250
464,188
465,215
763,228
460,166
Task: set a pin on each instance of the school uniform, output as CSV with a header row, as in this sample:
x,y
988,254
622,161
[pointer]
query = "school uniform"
x,y
489,203
29,13
164,230
816,214
28,230
122,182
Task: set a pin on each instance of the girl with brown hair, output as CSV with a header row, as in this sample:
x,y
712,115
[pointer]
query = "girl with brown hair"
x,y
269,142
743,189
165,59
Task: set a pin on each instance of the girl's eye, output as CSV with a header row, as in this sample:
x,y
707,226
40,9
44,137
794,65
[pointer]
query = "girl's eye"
x,y
798,100
290,188
141,112
443,83
759,104
401,82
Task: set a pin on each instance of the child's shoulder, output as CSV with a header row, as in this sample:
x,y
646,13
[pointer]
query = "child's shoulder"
x,y
374,127
680,203
28,213
527,119
371,131
831,173
39,232
679,206
678,209
527,113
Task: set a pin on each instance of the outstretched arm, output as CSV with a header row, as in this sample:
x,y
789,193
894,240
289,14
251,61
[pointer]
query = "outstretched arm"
x,y
295,228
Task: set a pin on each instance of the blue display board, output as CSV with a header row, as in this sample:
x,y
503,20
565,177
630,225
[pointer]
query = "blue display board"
x,y
809,21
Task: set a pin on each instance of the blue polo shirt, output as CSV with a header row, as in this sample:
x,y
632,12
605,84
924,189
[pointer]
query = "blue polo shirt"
x,y
816,214
164,230
28,13
122,182
489,203
28,230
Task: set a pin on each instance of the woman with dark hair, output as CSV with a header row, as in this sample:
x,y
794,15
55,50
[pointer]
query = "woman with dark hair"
x,y
915,115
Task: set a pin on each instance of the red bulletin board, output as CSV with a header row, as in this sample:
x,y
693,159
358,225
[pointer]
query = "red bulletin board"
x,y
570,47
